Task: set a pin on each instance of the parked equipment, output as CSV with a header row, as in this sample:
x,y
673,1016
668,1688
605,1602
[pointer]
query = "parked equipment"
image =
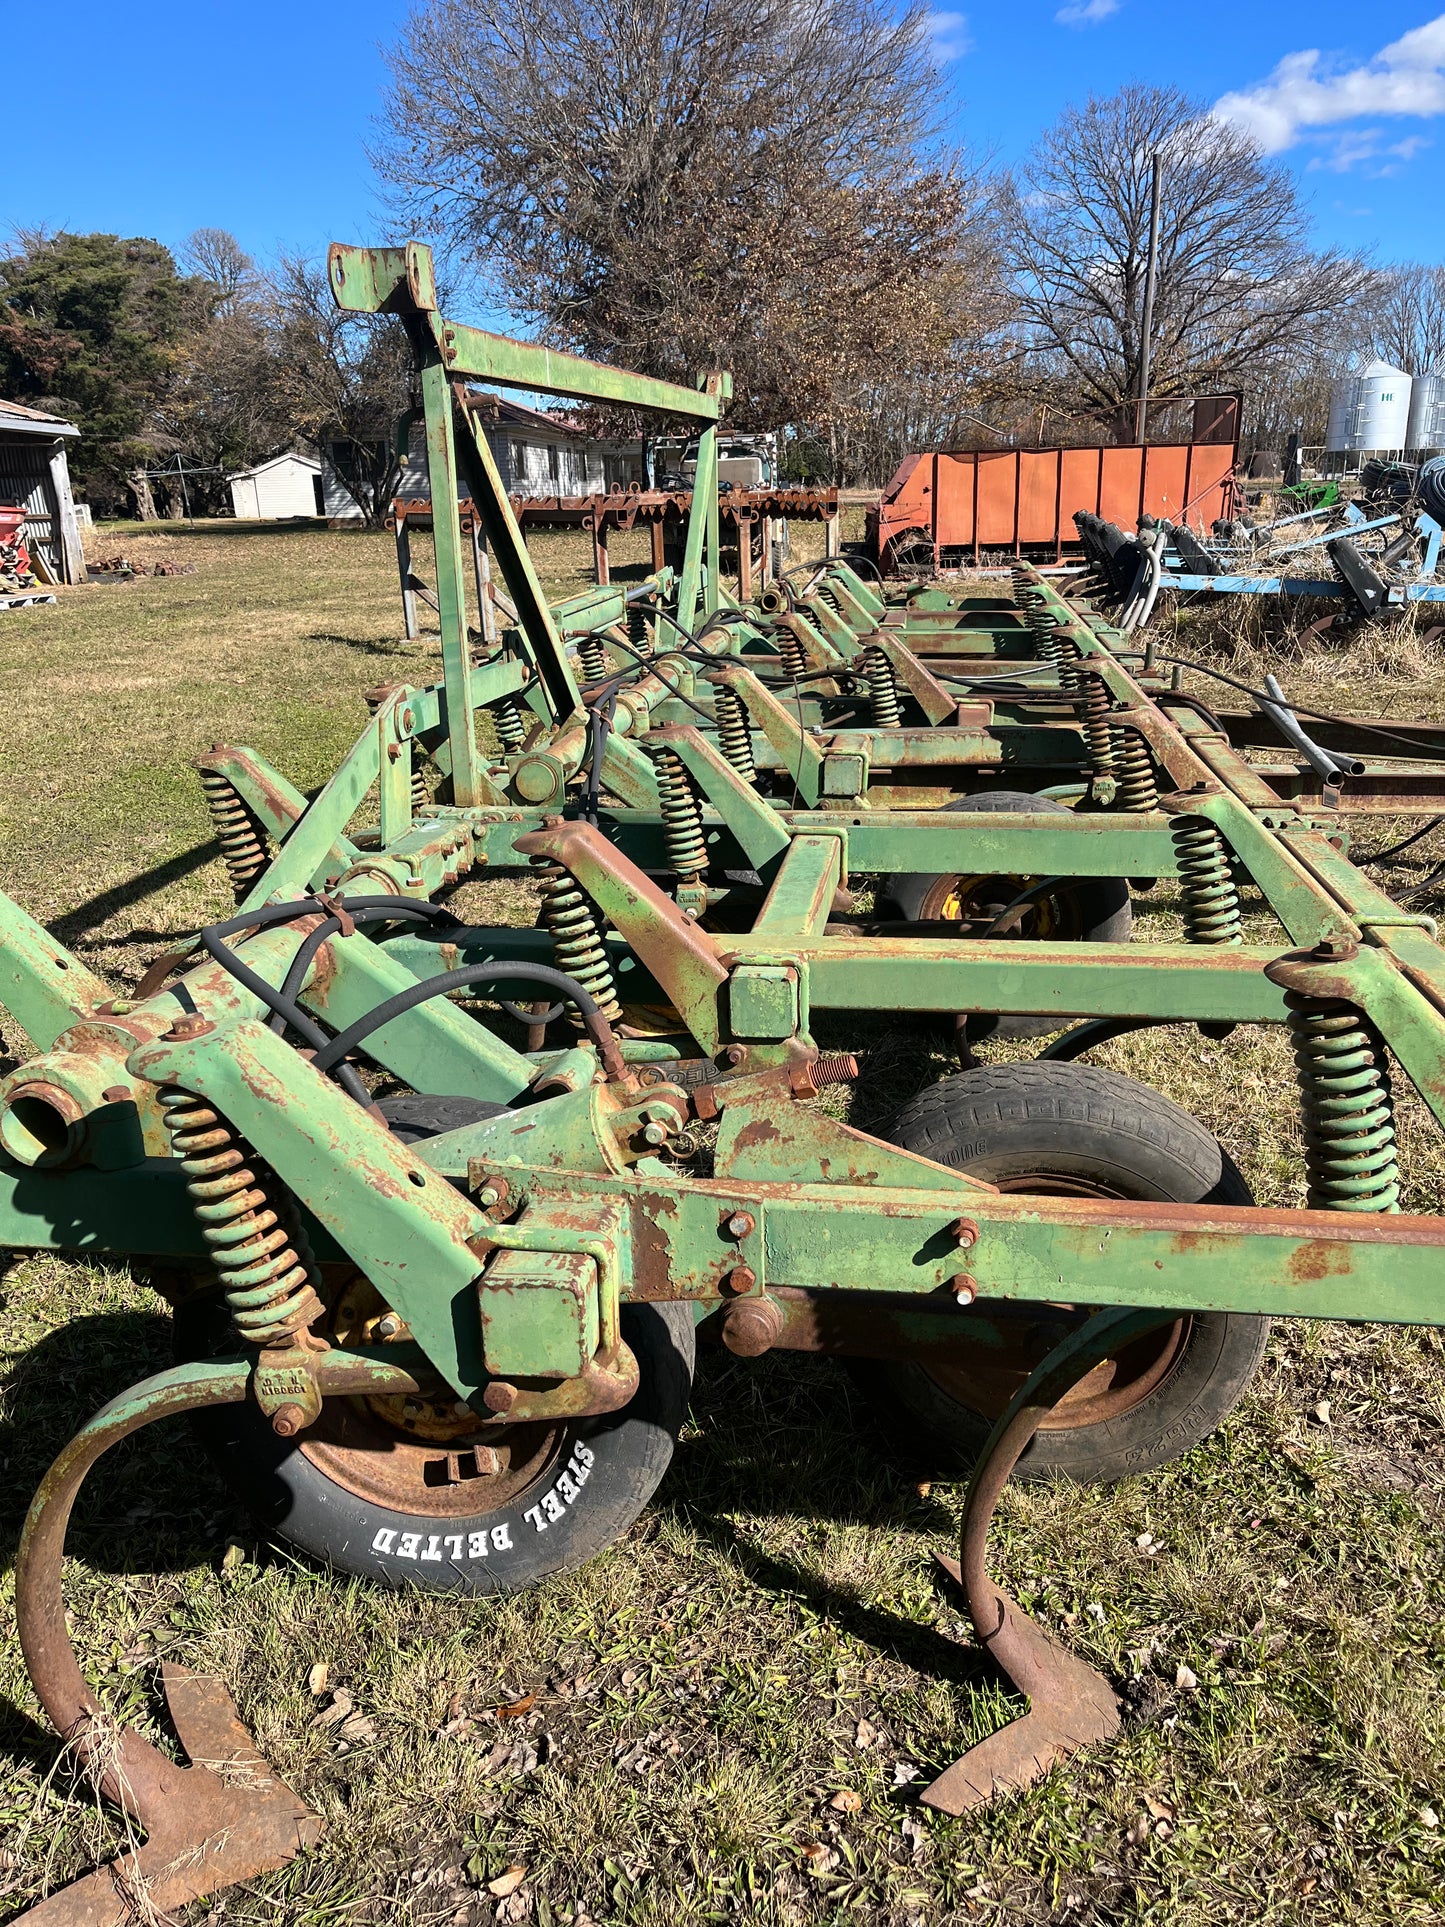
x,y
443,1335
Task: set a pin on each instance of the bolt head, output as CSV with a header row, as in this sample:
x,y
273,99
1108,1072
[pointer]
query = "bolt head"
x,y
287,1421
740,1224
965,1234
964,1291
655,1133
500,1396
388,1326
741,1278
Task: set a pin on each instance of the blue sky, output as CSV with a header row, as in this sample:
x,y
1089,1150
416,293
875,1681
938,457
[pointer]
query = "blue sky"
x,y
179,114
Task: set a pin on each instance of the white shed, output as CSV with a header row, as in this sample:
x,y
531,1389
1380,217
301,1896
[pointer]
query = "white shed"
x,y
35,476
280,490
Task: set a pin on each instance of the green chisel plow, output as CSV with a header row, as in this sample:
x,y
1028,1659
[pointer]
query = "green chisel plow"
x,y
437,1295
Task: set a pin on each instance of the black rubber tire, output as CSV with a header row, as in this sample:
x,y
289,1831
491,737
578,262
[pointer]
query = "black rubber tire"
x,y
591,1491
1077,1121
611,1466
1101,906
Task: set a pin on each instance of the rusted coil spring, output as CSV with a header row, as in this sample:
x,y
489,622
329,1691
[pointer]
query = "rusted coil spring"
x,y
682,832
1208,896
257,1245
1138,789
1019,581
638,633
735,738
511,727
1097,731
882,688
242,840
593,658
576,939
1049,644
1348,1113
790,650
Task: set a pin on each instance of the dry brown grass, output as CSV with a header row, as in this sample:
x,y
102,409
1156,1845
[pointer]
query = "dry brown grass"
x,y
701,1688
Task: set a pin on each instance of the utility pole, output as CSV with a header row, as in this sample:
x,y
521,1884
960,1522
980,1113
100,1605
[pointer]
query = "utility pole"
x,y
1151,277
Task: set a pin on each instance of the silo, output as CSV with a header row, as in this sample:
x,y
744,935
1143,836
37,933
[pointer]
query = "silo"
x,y
1427,412
1370,410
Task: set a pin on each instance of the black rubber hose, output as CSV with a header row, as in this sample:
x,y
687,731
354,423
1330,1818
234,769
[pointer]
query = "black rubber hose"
x,y
594,1023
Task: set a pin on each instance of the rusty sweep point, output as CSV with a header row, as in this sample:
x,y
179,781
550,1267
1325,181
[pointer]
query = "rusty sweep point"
x,y
203,1831
225,1817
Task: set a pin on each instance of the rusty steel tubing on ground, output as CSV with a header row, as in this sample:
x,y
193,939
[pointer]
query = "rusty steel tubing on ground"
x,y
225,1817
1071,1705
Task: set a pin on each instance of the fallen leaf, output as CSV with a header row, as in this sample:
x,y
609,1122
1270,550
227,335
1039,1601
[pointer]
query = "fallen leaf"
x,y
846,1800
925,1486
507,1883
356,1730
316,1679
820,1859
517,1710
1158,1809
1429,1817
905,1773
1322,1412
1185,1679
341,1707
864,1734
233,1556
1138,1830
1095,1612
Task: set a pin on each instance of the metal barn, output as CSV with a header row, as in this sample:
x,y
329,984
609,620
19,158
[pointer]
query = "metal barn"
x,y
35,476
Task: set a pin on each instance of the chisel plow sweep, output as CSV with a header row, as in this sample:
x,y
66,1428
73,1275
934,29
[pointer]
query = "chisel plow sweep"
x,y
437,1297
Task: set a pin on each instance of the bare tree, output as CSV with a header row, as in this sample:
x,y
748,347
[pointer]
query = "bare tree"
x,y
680,187
217,256
1237,276
1407,318
343,381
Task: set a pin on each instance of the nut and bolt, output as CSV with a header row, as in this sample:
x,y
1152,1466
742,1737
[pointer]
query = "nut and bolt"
x,y
500,1396
287,1421
388,1326
655,1133
740,1225
965,1234
191,1025
964,1291
740,1279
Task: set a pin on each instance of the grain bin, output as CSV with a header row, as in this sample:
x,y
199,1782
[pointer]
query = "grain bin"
x,y
1427,412
1369,410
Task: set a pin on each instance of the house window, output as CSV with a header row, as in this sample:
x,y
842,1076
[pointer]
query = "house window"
x,y
554,463
519,461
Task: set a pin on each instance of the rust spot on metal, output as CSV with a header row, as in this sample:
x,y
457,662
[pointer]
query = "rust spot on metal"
x,y
1311,1262
761,1131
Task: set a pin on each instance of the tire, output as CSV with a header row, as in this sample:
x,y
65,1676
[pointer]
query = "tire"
x,y
567,1492
1080,1131
1085,910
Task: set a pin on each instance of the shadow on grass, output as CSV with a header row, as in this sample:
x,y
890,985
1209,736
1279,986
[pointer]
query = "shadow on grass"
x,y
364,647
96,910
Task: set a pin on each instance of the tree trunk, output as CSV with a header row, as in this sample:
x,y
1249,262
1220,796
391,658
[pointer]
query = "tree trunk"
x,y
145,501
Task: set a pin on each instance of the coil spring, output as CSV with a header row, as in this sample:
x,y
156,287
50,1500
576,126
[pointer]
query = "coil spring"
x,y
1019,579
795,663
576,939
507,716
242,841
638,633
1138,789
257,1244
682,833
735,738
593,658
1043,627
1097,731
826,593
1207,891
882,688
1348,1114
420,794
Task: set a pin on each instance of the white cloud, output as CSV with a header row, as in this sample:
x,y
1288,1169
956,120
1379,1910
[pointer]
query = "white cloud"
x,y
1405,78
1086,13
949,34
1368,150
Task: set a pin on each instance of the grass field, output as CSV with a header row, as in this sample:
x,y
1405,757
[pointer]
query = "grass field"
x,y
733,1709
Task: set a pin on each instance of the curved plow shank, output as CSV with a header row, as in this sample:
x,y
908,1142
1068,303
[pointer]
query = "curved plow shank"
x,y
1071,1705
223,1818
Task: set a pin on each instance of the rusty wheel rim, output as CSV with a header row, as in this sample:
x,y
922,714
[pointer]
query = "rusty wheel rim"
x,y
1117,1386
983,899
426,1456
